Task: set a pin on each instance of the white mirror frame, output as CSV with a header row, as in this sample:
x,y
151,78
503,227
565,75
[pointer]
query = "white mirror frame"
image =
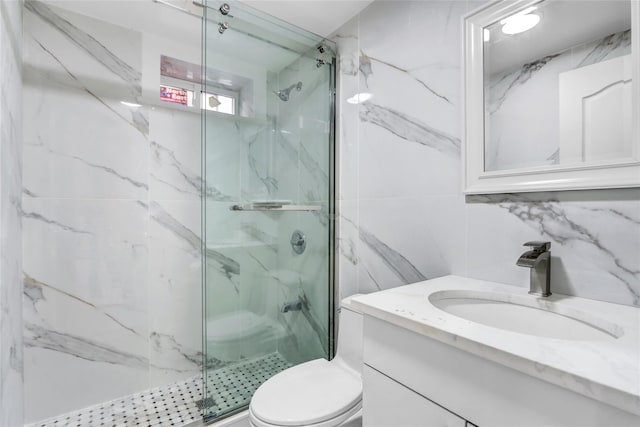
x,y
543,178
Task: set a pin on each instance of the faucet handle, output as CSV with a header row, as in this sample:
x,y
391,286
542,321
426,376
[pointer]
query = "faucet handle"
x,y
539,246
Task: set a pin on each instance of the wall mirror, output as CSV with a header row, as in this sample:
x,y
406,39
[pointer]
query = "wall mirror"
x,y
550,102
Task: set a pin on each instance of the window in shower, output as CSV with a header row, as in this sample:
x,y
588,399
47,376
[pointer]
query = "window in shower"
x,y
221,103
227,92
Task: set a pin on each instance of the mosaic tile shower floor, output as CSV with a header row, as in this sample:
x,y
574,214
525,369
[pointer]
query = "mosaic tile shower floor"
x,y
232,387
179,403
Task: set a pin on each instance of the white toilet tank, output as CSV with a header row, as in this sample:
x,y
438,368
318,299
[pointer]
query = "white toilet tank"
x,y
349,347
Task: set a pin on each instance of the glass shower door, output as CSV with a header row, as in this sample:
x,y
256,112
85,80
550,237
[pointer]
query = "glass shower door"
x,y
268,141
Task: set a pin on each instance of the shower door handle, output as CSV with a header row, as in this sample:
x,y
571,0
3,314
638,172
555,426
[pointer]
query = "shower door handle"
x,y
274,207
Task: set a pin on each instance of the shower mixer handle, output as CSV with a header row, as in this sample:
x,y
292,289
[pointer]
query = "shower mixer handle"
x,y
298,242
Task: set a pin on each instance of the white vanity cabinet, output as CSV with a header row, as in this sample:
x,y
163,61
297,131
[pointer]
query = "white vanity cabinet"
x,y
409,380
388,403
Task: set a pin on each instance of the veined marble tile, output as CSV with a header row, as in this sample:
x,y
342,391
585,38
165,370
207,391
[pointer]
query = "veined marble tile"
x,y
389,258
232,266
409,129
314,149
259,178
314,181
233,151
303,126
85,302
475,4
113,162
103,58
347,247
175,293
409,107
11,343
11,318
63,392
594,240
283,157
95,249
409,169
395,74
347,143
175,148
77,72
287,160
423,32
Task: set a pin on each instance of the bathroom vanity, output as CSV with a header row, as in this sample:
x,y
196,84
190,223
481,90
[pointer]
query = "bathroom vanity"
x,y
455,351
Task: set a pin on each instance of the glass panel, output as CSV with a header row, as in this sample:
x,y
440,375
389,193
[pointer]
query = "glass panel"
x,y
268,204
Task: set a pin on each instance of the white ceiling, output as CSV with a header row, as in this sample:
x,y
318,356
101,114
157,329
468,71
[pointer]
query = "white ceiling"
x,y
320,17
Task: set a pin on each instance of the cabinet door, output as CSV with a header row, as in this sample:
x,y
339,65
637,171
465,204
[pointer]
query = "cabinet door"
x,y
387,403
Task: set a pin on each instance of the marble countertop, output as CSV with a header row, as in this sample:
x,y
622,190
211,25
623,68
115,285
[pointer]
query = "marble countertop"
x,y
605,370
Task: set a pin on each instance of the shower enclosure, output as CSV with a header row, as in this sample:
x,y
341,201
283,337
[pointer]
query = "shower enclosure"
x,y
268,201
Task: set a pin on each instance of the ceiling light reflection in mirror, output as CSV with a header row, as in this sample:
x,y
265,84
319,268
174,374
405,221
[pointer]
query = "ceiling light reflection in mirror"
x,y
520,22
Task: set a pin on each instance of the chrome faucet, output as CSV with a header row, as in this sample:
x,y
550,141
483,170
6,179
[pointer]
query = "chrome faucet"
x,y
538,259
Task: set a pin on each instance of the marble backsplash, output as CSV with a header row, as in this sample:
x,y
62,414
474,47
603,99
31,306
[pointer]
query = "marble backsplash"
x,y
403,216
11,354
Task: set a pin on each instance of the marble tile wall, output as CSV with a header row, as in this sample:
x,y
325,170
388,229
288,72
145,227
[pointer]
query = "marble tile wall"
x,y
403,216
11,354
174,269
111,214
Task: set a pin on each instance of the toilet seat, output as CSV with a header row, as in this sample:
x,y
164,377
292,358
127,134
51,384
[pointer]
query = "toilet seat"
x,y
334,422
318,393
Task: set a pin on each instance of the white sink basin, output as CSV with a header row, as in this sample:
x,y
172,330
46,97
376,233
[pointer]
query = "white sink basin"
x,y
525,314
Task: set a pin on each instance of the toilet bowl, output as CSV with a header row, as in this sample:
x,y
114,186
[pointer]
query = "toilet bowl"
x,y
318,393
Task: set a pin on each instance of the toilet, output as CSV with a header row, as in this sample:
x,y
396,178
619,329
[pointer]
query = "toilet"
x,y
318,393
